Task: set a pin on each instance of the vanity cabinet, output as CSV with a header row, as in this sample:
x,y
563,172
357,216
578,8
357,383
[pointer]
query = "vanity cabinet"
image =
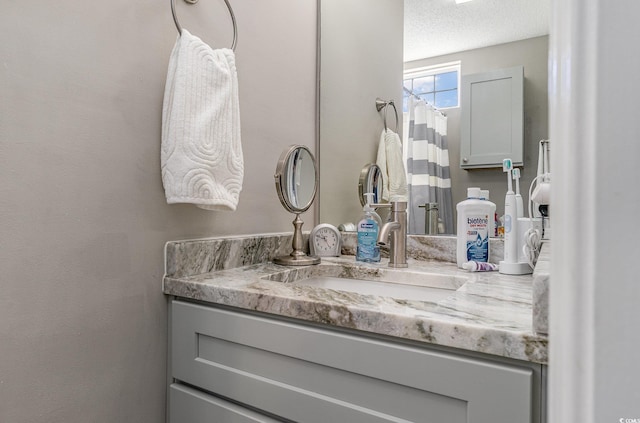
x,y
238,366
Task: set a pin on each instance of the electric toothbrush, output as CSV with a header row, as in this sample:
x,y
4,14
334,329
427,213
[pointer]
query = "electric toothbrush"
x,y
511,264
515,173
519,205
510,217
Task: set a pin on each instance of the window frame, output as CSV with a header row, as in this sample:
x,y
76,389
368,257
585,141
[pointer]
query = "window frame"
x,y
432,71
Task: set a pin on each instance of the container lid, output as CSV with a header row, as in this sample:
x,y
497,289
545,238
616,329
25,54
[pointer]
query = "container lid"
x,y
484,194
473,192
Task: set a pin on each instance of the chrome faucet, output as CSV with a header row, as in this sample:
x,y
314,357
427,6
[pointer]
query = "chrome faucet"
x,y
396,228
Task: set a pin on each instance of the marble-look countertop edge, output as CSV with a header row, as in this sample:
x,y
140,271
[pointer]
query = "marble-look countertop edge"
x,y
540,290
407,320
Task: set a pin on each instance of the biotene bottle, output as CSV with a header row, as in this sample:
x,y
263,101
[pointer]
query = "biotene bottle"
x,y
474,227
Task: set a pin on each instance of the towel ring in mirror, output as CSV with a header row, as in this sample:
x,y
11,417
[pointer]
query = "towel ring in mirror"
x,y
370,181
296,183
382,104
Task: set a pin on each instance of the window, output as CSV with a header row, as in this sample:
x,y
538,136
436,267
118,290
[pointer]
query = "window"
x,y
437,85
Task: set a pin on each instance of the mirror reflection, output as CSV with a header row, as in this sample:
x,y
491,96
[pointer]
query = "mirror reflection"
x,y
300,179
370,182
382,71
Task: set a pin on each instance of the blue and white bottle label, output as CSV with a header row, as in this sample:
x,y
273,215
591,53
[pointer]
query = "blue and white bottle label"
x,y
478,238
368,249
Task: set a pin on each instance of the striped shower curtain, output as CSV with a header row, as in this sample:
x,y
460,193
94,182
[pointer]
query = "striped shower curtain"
x,y
427,157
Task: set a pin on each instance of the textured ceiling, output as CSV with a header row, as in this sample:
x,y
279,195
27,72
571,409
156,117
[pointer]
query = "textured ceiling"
x,y
437,27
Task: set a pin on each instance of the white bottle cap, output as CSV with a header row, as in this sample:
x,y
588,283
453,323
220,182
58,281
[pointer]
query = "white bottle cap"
x,y
473,192
484,194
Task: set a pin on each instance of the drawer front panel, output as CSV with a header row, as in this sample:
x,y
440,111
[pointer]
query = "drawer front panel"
x,y
308,374
187,405
250,372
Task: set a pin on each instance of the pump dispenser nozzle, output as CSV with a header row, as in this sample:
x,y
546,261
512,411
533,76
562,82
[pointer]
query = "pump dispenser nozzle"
x,y
368,207
369,197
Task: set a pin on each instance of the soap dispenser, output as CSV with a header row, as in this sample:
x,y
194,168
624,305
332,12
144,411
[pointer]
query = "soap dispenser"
x,y
368,227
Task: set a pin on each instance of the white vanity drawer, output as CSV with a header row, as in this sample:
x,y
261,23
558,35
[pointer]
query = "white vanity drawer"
x,y
310,374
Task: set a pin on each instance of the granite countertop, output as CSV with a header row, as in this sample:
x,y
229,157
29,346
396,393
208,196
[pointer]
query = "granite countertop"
x,y
488,312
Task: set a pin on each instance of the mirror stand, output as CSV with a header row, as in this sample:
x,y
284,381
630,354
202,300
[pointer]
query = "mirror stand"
x,y
297,257
296,183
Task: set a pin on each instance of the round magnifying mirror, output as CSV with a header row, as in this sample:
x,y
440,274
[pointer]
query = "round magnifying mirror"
x,y
296,183
296,180
370,181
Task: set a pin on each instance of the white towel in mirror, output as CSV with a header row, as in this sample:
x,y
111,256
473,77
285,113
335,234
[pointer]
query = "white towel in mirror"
x,y
394,187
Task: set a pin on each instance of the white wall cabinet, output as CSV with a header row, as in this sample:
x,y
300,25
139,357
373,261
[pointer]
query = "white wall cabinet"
x,y
492,118
230,366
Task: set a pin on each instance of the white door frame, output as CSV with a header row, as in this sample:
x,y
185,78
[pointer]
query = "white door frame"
x,y
594,93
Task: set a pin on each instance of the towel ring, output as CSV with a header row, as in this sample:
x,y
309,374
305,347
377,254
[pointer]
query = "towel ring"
x,y
382,104
233,20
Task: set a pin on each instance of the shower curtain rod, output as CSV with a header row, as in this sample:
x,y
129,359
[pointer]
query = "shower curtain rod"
x,y
408,91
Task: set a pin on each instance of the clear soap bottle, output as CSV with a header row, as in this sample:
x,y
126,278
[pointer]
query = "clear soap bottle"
x,y
368,228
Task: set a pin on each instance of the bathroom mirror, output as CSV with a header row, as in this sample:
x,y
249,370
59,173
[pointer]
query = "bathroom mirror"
x,y
353,75
370,181
296,181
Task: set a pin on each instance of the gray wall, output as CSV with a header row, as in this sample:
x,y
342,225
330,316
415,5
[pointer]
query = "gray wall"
x,y
358,63
532,54
83,219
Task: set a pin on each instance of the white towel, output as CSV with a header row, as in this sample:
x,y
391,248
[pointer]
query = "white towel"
x,y
394,185
201,154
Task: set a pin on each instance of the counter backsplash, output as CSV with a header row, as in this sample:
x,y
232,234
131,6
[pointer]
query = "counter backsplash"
x,y
428,247
195,257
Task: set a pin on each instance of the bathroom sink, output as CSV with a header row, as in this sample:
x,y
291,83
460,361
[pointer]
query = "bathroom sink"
x,y
401,284
383,289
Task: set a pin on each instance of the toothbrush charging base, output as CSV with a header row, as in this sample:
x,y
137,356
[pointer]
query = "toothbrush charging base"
x,y
515,268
